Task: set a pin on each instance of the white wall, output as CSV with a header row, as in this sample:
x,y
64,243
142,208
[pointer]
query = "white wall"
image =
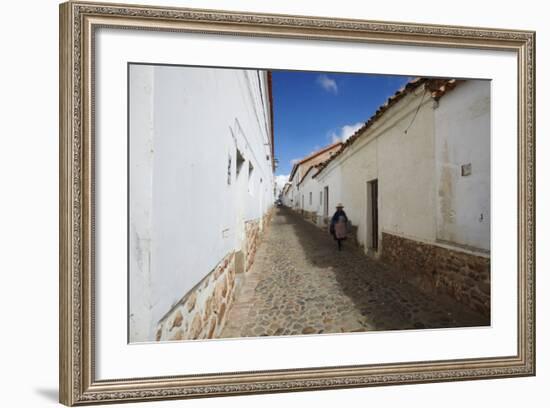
x,y
310,186
419,197
199,118
463,136
295,194
402,163
29,165
331,177
286,196
406,180
141,199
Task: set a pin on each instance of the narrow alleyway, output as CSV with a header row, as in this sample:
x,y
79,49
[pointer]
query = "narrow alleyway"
x,y
301,284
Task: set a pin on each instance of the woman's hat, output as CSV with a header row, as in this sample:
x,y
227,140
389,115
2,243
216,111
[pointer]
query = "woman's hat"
x,y
340,205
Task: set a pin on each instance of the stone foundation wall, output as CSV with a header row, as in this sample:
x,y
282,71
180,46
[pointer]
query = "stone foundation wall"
x,y
266,220
252,231
201,313
310,216
463,275
352,235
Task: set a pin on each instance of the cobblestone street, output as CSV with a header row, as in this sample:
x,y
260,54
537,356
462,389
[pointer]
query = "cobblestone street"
x,y
301,284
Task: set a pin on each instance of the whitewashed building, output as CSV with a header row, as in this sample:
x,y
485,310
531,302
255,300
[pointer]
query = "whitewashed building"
x,y
415,182
286,195
298,198
311,196
201,187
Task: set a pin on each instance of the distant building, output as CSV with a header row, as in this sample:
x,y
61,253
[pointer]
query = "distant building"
x,y
415,182
201,187
312,207
286,195
298,199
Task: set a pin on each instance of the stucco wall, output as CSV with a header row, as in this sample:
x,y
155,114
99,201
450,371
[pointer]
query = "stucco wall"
x,y
287,195
403,164
415,152
309,186
295,196
406,172
462,128
200,118
331,177
141,188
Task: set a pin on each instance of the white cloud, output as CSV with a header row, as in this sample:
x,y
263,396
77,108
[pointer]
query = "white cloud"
x,y
316,148
342,134
281,180
294,161
328,84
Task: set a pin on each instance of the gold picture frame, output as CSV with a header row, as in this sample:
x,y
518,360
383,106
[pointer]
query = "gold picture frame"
x,y
78,22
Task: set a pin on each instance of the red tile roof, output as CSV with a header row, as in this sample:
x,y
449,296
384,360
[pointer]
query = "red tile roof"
x,y
436,87
312,156
316,166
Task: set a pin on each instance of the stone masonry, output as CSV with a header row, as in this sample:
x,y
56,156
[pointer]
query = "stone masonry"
x,y
202,312
461,274
300,284
252,230
310,215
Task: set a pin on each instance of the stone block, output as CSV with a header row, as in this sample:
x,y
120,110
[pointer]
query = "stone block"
x,y
209,307
224,287
178,335
212,328
221,313
178,319
239,262
455,272
191,301
219,292
196,327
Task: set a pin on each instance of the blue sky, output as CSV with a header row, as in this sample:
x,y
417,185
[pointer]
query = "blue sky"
x,y
314,109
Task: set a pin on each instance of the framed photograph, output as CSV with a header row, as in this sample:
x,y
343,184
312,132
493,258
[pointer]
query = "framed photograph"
x,y
255,203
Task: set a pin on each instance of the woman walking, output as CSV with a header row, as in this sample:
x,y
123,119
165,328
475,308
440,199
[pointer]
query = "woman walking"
x,y
339,225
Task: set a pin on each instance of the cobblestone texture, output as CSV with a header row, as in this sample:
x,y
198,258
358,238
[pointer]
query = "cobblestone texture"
x,y
301,284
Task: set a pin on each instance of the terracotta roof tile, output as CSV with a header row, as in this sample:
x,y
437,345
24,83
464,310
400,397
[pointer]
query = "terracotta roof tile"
x,y
312,156
437,88
314,167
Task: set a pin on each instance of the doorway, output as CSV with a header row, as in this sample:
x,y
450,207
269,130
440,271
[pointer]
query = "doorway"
x,y
372,214
325,206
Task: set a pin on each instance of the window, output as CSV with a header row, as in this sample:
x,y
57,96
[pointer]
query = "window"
x,y
310,198
325,210
229,170
240,162
320,198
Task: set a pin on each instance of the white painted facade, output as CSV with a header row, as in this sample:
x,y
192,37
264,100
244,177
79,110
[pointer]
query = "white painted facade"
x,y
287,195
462,127
293,196
329,184
421,193
309,189
200,167
302,190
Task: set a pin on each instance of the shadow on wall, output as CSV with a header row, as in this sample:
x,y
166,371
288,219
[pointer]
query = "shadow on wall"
x,y
386,302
